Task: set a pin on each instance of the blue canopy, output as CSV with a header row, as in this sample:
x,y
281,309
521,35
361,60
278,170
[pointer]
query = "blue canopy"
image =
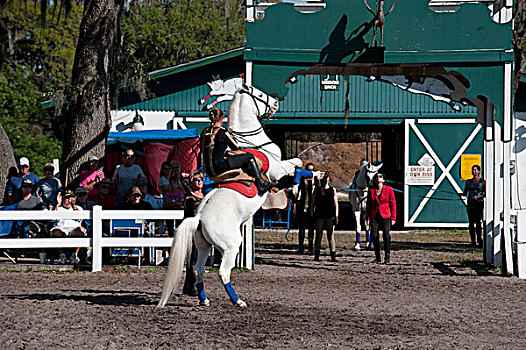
x,y
135,136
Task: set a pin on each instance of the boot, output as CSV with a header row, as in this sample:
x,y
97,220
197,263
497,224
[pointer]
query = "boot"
x,y
387,258
189,287
262,185
333,256
377,255
317,255
311,247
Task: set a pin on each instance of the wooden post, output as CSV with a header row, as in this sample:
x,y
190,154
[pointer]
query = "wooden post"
x,y
97,239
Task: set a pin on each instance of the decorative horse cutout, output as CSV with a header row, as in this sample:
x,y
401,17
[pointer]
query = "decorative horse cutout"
x,y
379,19
428,86
220,215
358,197
224,89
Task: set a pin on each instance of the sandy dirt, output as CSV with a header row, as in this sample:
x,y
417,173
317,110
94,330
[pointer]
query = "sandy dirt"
x,y
436,294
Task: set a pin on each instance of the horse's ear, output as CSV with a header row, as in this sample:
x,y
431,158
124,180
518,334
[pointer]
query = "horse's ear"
x,y
244,87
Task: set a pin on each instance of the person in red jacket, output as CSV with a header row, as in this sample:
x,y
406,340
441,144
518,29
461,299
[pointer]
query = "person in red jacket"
x,y
381,212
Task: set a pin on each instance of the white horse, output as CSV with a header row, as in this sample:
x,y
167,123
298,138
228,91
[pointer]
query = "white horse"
x,y
224,89
220,215
358,197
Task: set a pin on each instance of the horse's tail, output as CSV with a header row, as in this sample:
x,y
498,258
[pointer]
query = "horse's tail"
x,y
181,248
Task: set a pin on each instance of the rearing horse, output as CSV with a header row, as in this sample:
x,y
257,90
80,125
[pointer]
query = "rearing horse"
x,y
358,196
219,216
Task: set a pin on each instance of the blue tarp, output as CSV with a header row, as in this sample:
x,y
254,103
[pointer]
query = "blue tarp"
x,y
134,136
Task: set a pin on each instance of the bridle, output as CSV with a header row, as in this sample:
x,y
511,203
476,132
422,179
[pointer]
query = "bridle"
x,y
268,111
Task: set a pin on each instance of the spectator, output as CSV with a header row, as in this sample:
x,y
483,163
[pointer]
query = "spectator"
x,y
49,187
68,227
302,209
476,190
173,200
194,197
143,186
82,199
191,203
324,211
381,212
14,191
177,173
134,201
164,178
126,174
103,196
28,201
92,175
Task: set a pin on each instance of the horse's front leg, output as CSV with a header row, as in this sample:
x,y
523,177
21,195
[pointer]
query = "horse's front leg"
x,y
228,262
358,229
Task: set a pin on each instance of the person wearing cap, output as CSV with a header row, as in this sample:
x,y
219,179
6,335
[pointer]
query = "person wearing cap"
x,y
91,176
134,200
28,201
68,227
49,187
14,190
125,174
143,186
82,198
103,195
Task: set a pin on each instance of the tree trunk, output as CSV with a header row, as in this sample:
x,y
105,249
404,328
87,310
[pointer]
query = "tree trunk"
x,y
519,41
9,167
87,114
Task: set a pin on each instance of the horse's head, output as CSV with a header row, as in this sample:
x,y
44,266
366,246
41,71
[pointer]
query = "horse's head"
x,y
262,104
372,169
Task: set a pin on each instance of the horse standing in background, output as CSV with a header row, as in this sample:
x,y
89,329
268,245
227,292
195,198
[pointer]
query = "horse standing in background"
x,y
220,215
358,197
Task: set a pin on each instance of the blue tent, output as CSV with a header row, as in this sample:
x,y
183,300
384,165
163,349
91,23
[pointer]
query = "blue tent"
x,y
135,136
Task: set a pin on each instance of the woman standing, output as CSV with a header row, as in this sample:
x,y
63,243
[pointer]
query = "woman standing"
x,y
324,210
381,212
476,190
191,202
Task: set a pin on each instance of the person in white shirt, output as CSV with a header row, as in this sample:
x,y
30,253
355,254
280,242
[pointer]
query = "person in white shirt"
x,y
126,174
67,227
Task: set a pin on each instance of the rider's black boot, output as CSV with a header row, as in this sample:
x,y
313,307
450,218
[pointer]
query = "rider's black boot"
x,y
262,185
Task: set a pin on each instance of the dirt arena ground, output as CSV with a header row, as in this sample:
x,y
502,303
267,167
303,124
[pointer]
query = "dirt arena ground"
x,y
436,294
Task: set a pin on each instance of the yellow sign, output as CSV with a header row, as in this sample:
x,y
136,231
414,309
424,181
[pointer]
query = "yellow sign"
x,y
466,163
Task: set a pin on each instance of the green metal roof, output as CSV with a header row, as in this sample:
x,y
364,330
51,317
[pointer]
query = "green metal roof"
x,y
196,64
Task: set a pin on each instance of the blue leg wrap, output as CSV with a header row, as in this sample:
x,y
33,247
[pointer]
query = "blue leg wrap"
x,y
201,291
231,292
367,235
357,237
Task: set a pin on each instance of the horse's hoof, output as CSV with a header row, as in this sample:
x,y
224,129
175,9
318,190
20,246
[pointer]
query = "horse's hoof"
x,y
205,303
241,303
357,246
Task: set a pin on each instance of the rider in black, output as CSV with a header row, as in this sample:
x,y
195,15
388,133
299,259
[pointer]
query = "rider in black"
x,y
214,142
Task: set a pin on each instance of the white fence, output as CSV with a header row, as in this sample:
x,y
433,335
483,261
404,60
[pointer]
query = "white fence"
x,y
97,242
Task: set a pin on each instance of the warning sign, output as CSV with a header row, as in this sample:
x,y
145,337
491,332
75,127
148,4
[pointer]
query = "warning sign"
x,y
466,163
420,175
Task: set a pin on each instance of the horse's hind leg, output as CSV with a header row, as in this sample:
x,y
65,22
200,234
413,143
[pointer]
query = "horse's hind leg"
x,y
228,262
203,250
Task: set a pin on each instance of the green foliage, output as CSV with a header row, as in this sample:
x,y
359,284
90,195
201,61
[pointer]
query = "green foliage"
x,y
22,118
48,51
159,34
